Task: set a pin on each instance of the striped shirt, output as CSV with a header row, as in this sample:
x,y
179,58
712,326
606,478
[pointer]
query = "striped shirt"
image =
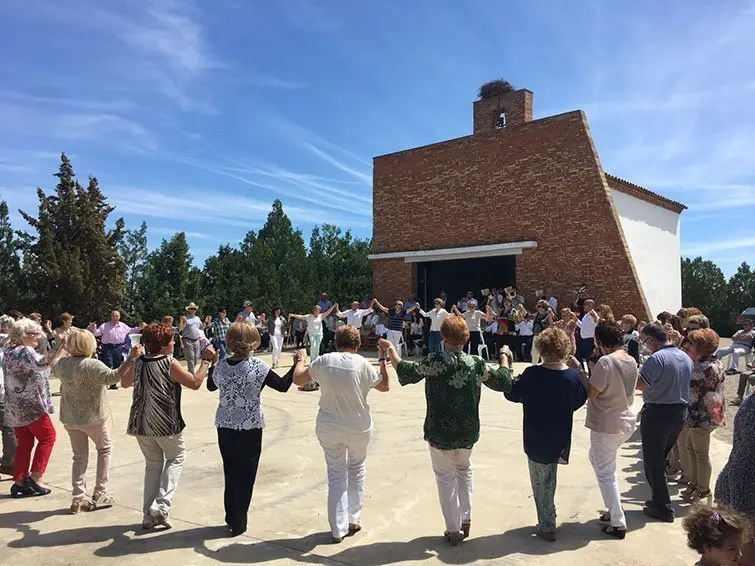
x,y
156,402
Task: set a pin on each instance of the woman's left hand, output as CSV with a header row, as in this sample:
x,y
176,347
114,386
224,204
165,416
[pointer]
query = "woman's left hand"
x,y
384,345
573,362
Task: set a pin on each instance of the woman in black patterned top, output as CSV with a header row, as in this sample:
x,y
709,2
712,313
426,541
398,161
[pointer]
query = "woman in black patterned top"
x,y
240,419
155,418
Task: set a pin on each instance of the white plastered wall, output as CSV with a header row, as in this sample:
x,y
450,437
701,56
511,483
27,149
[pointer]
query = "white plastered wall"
x,y
652,234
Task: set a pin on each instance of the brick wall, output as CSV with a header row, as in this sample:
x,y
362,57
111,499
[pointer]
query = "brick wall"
x,y
539,180
516,105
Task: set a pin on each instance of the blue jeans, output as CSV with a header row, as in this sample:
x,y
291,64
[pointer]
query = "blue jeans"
x,y
433,341
543,480
220,347
112,355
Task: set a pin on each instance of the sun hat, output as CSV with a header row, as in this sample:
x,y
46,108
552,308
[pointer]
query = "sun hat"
x,y
191,305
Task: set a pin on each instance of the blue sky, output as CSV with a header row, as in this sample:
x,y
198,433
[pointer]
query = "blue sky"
x,y
196,115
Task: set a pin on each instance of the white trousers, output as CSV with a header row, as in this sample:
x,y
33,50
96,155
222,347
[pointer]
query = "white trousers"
x,y
736,350
164,460
276,343
345,454
394,336
453,474
602,456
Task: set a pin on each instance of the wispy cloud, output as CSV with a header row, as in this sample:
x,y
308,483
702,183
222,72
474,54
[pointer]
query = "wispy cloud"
x,y
215,208
712,248
164,231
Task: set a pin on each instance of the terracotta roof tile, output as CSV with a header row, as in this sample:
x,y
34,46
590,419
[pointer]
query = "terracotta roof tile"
x,y
618,184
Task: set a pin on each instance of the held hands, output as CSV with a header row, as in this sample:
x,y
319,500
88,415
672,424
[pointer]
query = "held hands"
x,y
136,351
183,319
299,356
384,345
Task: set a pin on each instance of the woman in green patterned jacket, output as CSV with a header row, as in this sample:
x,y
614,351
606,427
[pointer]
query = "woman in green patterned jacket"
x,y
453,382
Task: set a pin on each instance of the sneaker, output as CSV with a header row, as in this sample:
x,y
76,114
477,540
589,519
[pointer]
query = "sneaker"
x,y
79,505
20,490
36,488
688,492
698,495
736,402
103,499
163,520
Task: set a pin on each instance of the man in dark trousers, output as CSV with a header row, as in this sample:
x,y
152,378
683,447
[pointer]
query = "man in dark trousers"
x,y
665,381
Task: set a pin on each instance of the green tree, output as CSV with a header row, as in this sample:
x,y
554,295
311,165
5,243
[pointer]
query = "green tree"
x,y
11,277
339,264
280,261
133,250
72,259
704,286
169,280
741,290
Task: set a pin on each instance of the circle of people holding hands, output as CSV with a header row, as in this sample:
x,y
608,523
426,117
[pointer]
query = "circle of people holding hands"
x,y
578,359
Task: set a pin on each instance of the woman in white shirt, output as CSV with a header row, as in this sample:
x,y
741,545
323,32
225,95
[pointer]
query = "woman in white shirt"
x,y
472,316
239,418
344,425
436,316
314,328
276,328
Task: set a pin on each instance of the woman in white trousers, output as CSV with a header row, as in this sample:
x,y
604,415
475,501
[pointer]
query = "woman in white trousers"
x,y
314,328
344,425
276,328
610,416
452,421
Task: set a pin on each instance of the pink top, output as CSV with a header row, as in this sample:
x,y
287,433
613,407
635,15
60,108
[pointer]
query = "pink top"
x,y
115,333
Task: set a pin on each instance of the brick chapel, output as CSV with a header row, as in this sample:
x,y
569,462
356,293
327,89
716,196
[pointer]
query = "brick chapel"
x,y
522,203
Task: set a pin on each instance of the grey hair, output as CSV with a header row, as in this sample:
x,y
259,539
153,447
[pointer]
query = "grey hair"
x,y
656,331
21,327
5,323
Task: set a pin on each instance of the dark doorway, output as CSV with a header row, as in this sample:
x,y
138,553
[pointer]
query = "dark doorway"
x,y
458,276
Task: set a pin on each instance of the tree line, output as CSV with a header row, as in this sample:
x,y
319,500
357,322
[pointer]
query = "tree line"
x,y
73,259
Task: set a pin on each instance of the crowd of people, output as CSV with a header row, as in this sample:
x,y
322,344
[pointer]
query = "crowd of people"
x,y
581,355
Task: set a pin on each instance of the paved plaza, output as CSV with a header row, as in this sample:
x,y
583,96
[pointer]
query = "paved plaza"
x,y
288,524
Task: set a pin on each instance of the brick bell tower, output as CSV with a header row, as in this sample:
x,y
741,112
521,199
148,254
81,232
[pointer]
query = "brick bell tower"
x,y
502,111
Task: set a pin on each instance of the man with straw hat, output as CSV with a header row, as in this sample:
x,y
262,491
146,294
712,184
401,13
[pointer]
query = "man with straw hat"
x,y
191,328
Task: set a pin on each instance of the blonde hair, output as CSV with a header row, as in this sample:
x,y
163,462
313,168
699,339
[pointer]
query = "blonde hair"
x,y
66,316
21,327
168,320
81,343
629,319
554,344
348,337
242,338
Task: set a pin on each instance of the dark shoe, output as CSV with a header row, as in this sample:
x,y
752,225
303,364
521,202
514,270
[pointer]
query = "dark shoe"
x,y
614,532
465,528
337,540
114,387
38,489
354,528
7,470
550,537
732,371
655,513
238,532
20,490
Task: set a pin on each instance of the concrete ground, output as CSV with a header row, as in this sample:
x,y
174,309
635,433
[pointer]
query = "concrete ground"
x,y
288,523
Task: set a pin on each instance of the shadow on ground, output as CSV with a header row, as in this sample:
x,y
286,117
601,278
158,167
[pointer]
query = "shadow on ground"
x,y
520,541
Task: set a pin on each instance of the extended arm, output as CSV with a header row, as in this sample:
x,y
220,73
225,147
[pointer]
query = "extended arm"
x,y
381,307
186,378
279,383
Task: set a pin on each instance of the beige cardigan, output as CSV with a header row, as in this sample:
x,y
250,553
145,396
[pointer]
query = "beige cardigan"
x,y
83,390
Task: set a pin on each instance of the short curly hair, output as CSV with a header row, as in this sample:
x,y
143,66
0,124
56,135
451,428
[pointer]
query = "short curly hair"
x,y
710,526
155,337
454,331
609,334
705,341
242,338
347,337
554,344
